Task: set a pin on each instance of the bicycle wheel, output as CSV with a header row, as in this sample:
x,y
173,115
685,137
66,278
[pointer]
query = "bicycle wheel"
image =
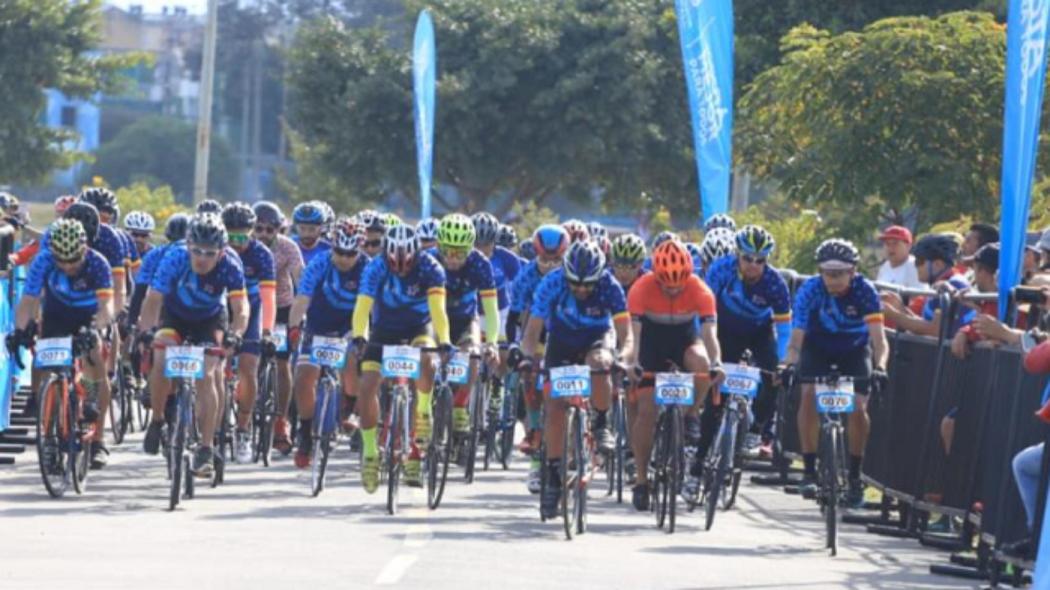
x,y
715,472
830,485
80,449
620,423
266,412
474,406
439,449
508,422
659,483
737,471
117,425
188,477
176,447
583,464
51,450
675,464
319,452
569,459
397,447
729,466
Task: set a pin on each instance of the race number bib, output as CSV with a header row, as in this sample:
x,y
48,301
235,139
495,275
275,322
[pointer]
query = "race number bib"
x,y
459,368
280,337
401,361
838,399
674,389
328,351
54,352
184,362
570,381
741,380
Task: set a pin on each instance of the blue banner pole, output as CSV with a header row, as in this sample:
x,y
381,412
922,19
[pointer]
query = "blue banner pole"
x,y
705,29
1026,38
424,67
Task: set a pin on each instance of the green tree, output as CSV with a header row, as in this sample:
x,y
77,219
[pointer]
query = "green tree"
x,y
906,113
161,151
47,44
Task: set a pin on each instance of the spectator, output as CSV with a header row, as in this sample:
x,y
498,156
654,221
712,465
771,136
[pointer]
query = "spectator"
x,y
979,235
935,256
899,267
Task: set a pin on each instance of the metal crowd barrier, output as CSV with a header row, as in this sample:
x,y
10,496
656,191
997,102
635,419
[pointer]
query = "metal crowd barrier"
x,y
10,292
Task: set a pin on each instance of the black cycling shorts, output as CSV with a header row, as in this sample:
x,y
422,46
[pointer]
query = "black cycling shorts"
x,y
464,331
66,323
559,354
856,363
422,336
203,332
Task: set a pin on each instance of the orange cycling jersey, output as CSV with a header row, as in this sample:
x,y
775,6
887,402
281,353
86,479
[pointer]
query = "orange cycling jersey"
x,y
648,301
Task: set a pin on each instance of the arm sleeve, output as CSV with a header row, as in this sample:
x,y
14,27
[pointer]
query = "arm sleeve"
x,y
783,338
438,314
362,312
26,253
511,329
490,307
268,295
137,297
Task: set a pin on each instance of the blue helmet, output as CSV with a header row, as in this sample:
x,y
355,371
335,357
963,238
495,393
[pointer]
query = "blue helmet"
x,y
551,240
584,262
309,213
754,240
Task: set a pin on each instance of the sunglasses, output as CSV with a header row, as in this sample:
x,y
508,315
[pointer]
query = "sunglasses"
x,y
69,261
374,243
581,285
265,229
239,238
626,266
455,253
204,253
835,273
752,259
140,235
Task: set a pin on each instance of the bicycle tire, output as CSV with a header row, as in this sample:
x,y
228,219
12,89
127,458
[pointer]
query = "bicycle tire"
x,y
268,413
508,422
80,450
737,471
50,432
473,407
659,475
675,466
117,424
176,448
439,449
188,477
727,465
568,476
583,463
714,475
396,449
621,447
830,469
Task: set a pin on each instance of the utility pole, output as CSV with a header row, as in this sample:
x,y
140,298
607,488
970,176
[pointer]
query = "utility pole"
x,y
200,172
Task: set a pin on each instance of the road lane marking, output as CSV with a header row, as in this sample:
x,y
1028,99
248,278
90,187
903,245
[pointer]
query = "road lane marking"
x,y
395,569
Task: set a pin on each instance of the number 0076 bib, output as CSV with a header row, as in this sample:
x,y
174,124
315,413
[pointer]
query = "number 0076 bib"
x,y
570,381
838,399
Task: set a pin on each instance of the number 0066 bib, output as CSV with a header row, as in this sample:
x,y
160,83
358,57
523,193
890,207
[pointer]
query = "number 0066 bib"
x,y
184,362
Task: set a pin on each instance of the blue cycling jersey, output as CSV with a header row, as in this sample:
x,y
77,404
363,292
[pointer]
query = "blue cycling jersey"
x,y
190,296
259,268
836,324
131,252
965,316
332,293
107,243
64,294
401,302
524,288
505,268
321,246
572,321
744,308
463,286
151,261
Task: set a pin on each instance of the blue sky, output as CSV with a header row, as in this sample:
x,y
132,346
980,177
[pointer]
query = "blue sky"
x,y
196,6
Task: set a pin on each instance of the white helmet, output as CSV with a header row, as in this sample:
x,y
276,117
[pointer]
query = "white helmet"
x,y
139,221
402,244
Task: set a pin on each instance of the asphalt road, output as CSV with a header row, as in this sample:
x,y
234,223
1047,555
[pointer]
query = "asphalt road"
x,y
263,530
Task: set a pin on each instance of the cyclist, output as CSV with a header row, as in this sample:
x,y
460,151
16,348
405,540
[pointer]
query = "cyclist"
x,y
427,229
209,206
468,279
527,251
577,230
754,314
375,232
673,322
505,264
74,285
406,290
326,298
308,218
104,240
187,301
288,263
507,237
109,214
660,238
577,304
175,233
140,225
627,254
836,320
551,243
717,243
260,279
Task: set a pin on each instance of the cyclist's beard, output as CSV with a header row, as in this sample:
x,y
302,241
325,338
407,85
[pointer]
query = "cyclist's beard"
x,y
308,242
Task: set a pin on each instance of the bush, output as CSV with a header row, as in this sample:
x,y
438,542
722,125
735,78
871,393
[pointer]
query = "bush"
x,y
158,202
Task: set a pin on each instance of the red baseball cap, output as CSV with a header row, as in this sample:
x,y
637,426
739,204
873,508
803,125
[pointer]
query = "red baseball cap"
x,y
897,232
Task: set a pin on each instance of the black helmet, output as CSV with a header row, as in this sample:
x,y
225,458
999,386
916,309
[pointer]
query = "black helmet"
x,y
238,216
506,236
101,198
87,215
209,206
175,230
268,213
206,229
837,253
936,247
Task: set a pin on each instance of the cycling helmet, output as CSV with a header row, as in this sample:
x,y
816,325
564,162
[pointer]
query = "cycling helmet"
x,y
628,249
268,213
209,206
327,212
696,253
936,247
550,240
672,264
506,236
527,250
175,230
87,215
7,200
348,224
456,231
718,243
663,237
427,229
392,220
837,254
309,213
754,240
597,229
486,226
719,220
207,229
577,230
62,203
584,262
102,198
238,216
604,244
139,221
347,238
67,240
402,243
